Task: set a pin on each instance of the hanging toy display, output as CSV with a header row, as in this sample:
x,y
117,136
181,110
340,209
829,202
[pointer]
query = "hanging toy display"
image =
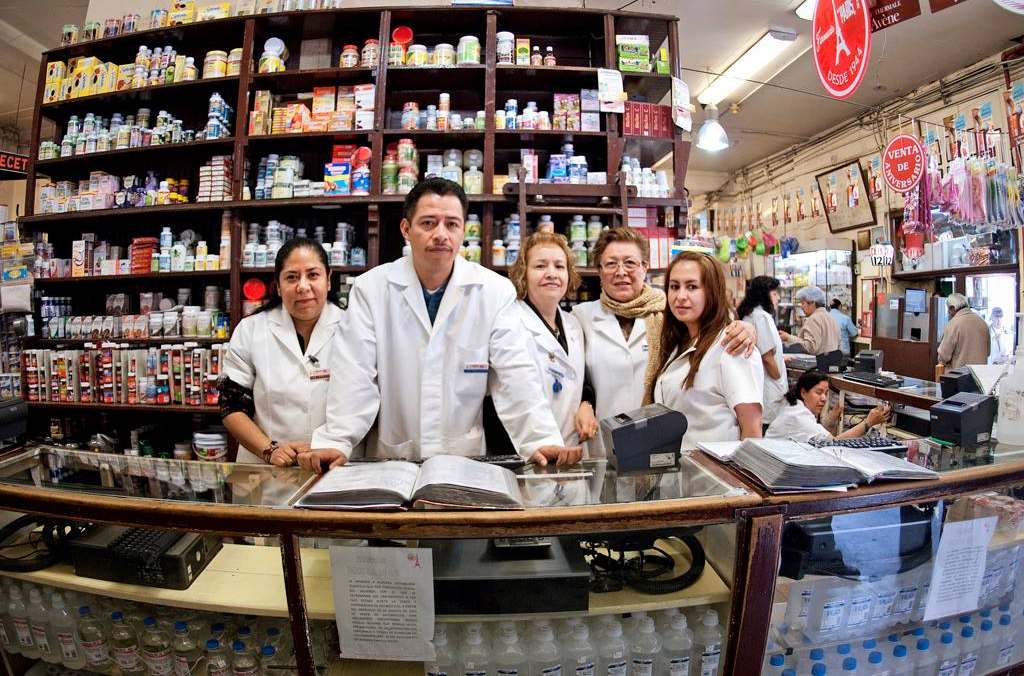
x,y
724,249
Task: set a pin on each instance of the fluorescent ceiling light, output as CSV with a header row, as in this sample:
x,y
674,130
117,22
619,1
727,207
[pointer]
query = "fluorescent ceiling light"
x,y
806,9
712,136
753,60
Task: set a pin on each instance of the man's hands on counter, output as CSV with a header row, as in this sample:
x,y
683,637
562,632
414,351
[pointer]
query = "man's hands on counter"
x,y
286,453
561,455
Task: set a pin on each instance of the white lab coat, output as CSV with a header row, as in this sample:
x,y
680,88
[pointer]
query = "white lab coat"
x,y
289,388
615,366
553,364
425,384
796,422
723,381
768,339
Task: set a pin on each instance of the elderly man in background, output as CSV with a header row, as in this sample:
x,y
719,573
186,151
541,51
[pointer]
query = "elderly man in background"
x,y
819,333
966,338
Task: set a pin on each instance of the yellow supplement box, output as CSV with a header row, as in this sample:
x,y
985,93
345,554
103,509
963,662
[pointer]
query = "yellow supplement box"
x,y
55,71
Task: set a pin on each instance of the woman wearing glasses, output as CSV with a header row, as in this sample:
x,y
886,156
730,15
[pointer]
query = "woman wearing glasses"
x,y
623,328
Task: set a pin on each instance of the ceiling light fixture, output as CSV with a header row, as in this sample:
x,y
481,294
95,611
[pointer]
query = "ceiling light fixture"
x,y
806,9
712,136
764,51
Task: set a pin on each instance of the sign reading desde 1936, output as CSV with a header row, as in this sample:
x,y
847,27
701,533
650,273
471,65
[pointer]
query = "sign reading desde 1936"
x,y
841,44
887,13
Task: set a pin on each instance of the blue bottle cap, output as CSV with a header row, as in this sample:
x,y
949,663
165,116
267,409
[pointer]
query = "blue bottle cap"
x,y
212,644
965,619
238,646
875,657
818,670
244,631
180,626
789,672
967,631
273,631
893,638
986,625
869,644
84,610
117,616
843,649
217,627
947,638
149,622
777,660
1005,620
899,651
945,625
268,651
817,654
923,644
918,631
985,613
850,664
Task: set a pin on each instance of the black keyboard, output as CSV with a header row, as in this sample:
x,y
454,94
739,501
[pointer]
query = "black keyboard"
x,y
868,442
144,545
511,461
872,379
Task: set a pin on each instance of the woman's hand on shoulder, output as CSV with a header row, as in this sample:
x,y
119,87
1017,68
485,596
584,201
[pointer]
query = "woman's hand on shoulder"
x,y
740,338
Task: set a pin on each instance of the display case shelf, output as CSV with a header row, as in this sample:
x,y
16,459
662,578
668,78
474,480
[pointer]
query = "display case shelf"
x,y
176,91
302,80
152,342
141,408
76,164
144,276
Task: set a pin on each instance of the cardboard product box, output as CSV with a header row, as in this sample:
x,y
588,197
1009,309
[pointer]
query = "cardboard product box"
x,y
346,98
258,123
84,64
589,102
342,152
365,95
646,124
262,100
181,12
51,92
342,120
55,71
125,72
590,121
67,88
337,178
324,99
316,124
364,120
314,54
522,51
218,10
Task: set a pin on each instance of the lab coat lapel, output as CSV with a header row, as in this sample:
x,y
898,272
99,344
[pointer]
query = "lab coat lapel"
x,y
284,331
324,329
546,343
607,325
403,275
461,274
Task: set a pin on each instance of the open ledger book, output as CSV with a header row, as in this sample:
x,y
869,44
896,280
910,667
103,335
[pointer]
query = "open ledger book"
x,y
443,481
782,465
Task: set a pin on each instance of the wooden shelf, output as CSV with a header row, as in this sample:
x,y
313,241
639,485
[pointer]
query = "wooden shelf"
x,y
300,80
75,165
434,132
527,133
657,201
306,139
652,87
950,272
136,212
59,281
313,202
434,78
56,342
227,86
147,408
343,269
545,78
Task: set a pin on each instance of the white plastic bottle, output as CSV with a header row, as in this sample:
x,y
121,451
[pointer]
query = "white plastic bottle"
x,y
157,652
580,653
677,648
1010,416
509,656
902,665
545,657
988,646
876,665
8,637
858,617
65,631
124,646
92,639
798,606
475,653
968,651
885,604
775,666
1007,642
828,612
39,623
906,596
707,639
243,660
924,658
644,649
217,662
612,654
19,619
186,650
850,666
948,656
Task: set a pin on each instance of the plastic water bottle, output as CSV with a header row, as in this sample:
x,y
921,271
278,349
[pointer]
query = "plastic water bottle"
x,y
901,662
92,638
39,623
545,657
798,606
829,610
244,634
775,666
444,662
906,596
948,656
19,619
243,662
858,618
8,638
876,664
707,638
644,649
476,655
677,647
988,646
866,648
1007,643
924,658
65,630
850,665
885,605
268,658
217,663
663,620
835,660
814,656
580,653
186,651
156,649
612,654
968,651
509,656
124,646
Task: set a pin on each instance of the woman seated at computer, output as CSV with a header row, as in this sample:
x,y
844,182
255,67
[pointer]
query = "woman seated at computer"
x,y
807,398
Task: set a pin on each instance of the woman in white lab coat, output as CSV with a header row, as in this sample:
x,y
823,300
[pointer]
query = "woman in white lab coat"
x,y
758,309
623,328
273,393
798,418
720,394
543,274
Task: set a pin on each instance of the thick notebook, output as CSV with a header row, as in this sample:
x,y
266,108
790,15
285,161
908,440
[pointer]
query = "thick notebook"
x,y
784,465
441,482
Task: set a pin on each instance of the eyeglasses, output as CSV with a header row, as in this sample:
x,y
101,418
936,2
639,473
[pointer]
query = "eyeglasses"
x,y
630,265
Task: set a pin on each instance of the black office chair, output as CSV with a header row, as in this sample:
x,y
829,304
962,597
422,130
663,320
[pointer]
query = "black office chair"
x,y
830,361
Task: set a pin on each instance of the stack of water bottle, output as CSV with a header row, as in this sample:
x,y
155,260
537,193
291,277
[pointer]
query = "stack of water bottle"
x,y
875,625
607,645
106,635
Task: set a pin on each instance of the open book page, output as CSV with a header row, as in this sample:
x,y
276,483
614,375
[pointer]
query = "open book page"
x,y
795,454
455,480
720,450
875,465
369,484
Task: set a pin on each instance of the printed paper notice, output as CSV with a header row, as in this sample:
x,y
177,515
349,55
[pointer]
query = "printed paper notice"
x,y
610,92
681,106
959,568
384,602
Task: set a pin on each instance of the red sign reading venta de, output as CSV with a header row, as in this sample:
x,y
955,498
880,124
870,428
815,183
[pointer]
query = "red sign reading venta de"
x,y
903,162
842,44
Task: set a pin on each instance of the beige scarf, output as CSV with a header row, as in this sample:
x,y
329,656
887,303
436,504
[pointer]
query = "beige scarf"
x,y
649,306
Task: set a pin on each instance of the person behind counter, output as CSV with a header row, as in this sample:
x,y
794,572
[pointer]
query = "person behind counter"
x,y
279,360
623,328
819,333
807,399
720,394
758,309
421,336
848,330
966,337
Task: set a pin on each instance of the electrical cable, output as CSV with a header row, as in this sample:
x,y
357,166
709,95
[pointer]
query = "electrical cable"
x,y
55,536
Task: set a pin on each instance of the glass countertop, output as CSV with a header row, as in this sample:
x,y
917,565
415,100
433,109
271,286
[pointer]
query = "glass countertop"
x,y
592,482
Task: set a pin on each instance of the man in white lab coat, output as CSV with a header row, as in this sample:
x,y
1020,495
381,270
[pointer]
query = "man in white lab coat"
x,y
416,346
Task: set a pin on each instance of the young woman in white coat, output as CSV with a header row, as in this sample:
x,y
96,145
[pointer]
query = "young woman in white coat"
x,y
278,365
720,394
622,329
798,418
542,275
758,309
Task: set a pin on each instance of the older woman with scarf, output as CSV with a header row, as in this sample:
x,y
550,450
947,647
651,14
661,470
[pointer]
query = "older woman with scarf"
x,y
623,329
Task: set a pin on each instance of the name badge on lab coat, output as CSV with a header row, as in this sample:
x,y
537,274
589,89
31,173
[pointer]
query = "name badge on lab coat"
x,y
320,374
475,367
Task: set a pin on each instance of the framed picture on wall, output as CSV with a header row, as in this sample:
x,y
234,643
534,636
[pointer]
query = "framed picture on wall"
x,y
845,197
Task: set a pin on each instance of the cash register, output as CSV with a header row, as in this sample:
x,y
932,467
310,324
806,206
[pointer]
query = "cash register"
x,y
965,419
644,440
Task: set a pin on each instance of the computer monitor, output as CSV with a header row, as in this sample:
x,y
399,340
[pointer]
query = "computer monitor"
x,y
916,301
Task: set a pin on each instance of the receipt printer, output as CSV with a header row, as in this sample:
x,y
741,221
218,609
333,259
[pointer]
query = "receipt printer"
x,y
958,380
645,439
869,360
965,419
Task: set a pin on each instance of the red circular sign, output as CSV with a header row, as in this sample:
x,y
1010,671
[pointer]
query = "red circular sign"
x,y
903,162
842,44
